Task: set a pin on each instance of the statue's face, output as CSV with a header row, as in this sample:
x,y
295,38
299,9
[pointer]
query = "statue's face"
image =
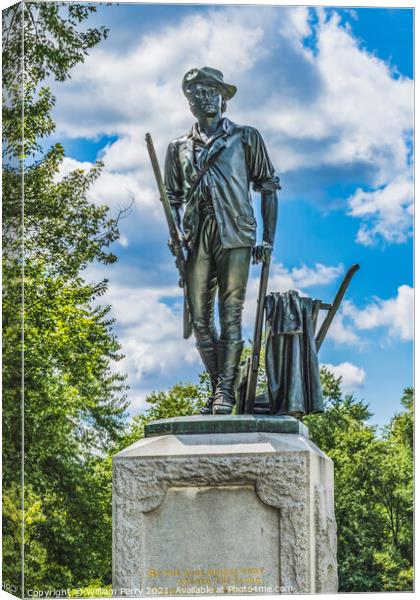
x,y
205,100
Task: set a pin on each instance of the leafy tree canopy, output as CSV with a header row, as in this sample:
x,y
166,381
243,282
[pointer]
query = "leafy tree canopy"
x,y
74,398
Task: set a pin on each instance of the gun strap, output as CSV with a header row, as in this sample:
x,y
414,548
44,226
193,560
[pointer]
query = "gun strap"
x,y
201,174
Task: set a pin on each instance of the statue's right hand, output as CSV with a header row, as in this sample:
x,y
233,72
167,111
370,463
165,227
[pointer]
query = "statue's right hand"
x,y
261,253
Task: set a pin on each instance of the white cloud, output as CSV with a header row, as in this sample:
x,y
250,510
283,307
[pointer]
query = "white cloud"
x,y
335,107
296,25
69,164
141,88
358,108
351,376
118,190
320,275
369,110
386,212
346,107
123,240
150,333
343,333
112,187
395,314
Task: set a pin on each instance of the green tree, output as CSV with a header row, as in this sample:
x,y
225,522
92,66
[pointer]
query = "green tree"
x,y
179,401
74,399
373,490
395,495
53,40
343,434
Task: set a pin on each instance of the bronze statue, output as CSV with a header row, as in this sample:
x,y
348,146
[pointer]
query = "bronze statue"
x,y
208,172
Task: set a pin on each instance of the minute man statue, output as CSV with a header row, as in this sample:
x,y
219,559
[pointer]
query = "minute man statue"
x,y
209,172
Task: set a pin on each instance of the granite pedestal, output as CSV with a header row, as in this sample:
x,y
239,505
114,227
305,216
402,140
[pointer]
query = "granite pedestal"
x,y
223,504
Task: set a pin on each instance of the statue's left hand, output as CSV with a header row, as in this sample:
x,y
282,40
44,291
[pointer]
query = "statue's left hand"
x,y
261,253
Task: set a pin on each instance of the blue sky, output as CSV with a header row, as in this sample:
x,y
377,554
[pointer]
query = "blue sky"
x,y
331,91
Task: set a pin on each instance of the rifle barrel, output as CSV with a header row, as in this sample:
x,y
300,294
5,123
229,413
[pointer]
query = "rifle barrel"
x,y
162,191
173,231
252,379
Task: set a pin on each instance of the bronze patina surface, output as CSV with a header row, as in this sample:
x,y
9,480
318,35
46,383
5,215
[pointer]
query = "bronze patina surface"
x,y
202,424
208,175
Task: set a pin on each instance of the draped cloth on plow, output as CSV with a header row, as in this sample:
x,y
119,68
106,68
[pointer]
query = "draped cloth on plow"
x,y
291,359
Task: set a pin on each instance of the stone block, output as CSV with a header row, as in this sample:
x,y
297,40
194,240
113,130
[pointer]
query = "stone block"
x,y
223,513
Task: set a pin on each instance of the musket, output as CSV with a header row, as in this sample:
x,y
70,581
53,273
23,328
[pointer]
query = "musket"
x,y
254,359
333,308
175,244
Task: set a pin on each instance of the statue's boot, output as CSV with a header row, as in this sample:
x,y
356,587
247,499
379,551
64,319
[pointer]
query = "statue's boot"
x,y
229,356
208,353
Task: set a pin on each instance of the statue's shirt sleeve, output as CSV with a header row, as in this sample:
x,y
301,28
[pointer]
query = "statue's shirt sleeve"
x,y
173,177
261,170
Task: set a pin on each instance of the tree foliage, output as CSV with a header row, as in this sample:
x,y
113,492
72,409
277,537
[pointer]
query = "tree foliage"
x,y
373,490
41,40
74,398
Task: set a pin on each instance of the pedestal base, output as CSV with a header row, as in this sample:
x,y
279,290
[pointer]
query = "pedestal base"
x,y
200,513
226,424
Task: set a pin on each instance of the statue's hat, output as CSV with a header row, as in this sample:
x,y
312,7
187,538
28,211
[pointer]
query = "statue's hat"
x,y
208,76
